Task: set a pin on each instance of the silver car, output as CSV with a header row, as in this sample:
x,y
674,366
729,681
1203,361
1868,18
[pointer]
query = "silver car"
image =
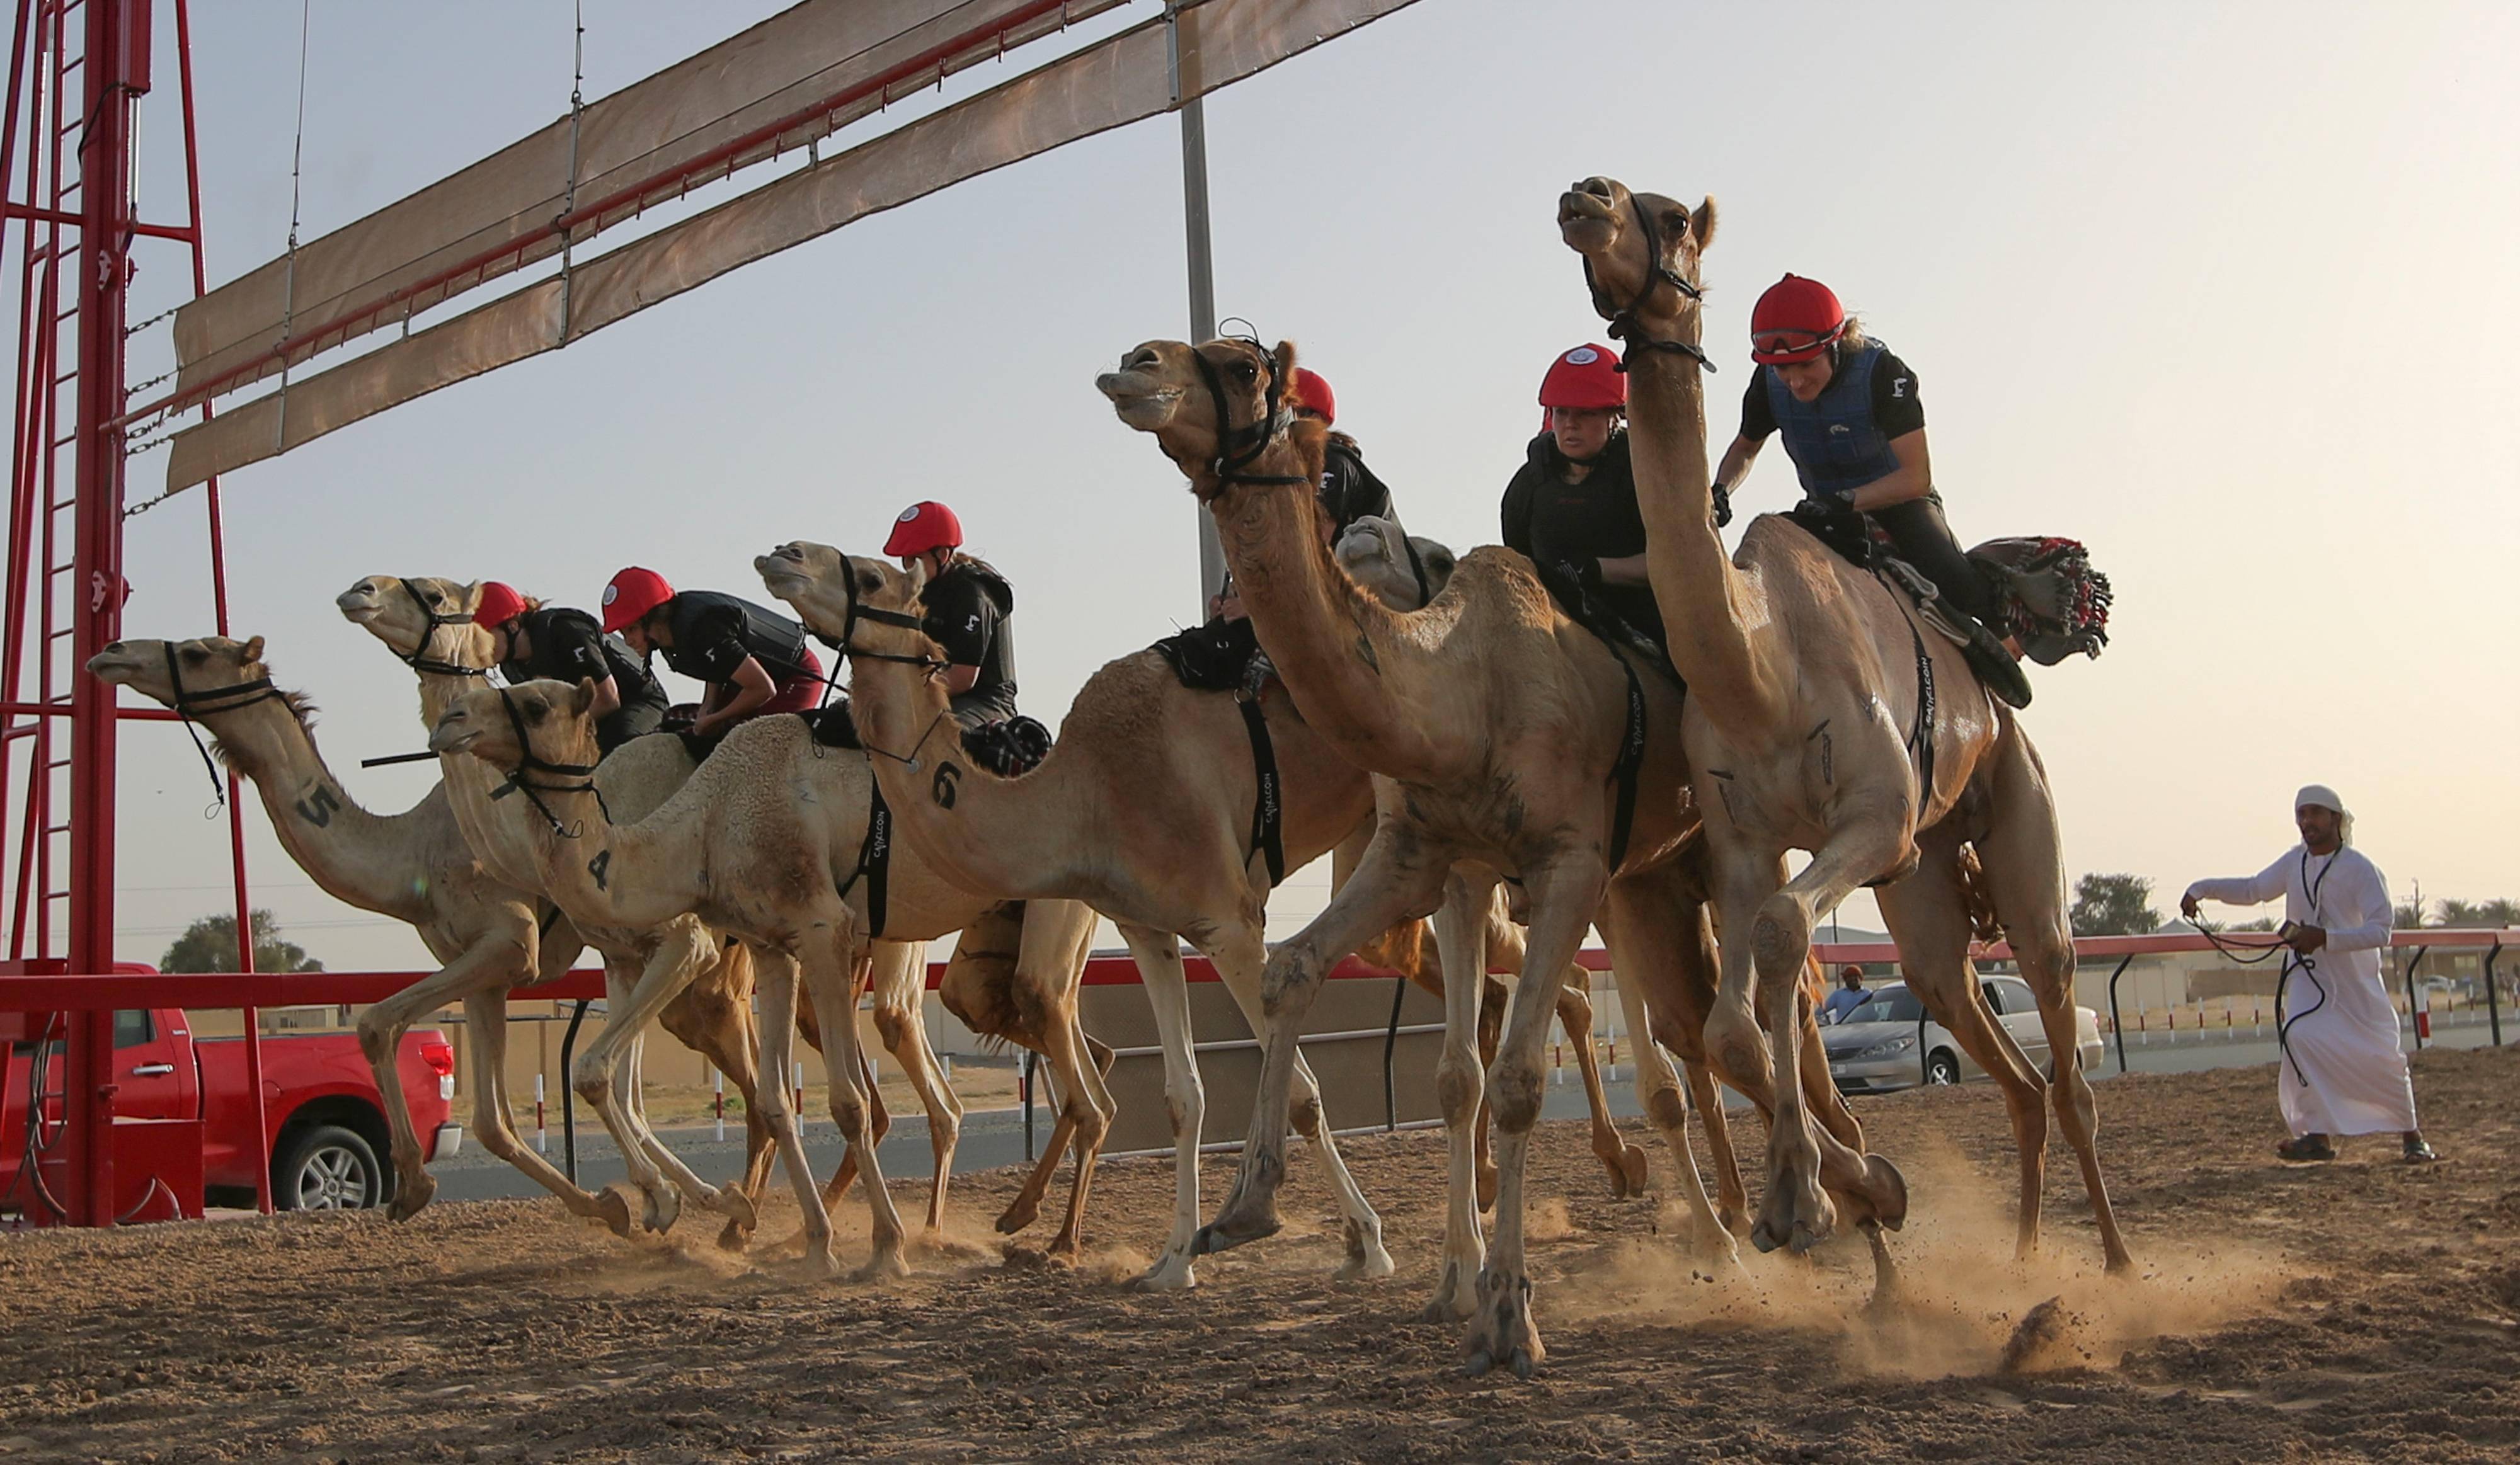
x,y
1888,1044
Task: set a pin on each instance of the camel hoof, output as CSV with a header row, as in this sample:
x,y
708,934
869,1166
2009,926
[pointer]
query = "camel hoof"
x,y
1888,1191
1807,1236
1734,1220
1477,1363
1633,1169
884,1266
612,1203
664,1208
821,1265
1237,1227
1171,1274
738,1207
1373,1262
1487,1190
1502,1330
1451,1302
734,1236
410,1195
1023,1212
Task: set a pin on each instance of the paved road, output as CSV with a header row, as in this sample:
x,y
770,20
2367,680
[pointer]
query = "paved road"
x,y
995,1139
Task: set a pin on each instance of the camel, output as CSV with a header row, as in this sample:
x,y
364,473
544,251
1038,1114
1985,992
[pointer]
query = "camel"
x,y
414,866
1808,677
423,622
1495,727
1145,811
767,840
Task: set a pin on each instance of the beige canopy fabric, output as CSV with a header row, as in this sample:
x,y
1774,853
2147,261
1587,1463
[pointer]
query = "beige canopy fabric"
x,y
1117,81
791,62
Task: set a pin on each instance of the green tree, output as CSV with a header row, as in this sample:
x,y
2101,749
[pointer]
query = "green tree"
x,y
2114,905
2409,915
210,943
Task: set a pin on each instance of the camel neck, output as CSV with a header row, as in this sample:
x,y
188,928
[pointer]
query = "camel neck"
x,y
1328,638
1709,608
602,874
366,860
1012,837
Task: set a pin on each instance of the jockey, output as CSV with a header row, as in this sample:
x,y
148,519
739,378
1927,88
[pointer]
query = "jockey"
x,y
755,660
1855,428
1572,505
971,613
533,641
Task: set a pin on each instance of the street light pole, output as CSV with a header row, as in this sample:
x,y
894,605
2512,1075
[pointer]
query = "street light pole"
x,y
1202,269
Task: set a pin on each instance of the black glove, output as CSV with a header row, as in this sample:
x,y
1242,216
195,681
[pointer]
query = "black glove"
x,y
1723,504
1581,569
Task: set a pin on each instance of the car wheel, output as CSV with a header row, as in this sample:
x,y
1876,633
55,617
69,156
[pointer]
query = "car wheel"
x,y
327,1168
1943,1068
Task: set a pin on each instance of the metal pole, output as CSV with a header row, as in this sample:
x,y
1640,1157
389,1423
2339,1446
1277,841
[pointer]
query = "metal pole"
x,y
568,1093
1202,264
1391,1041
2116,1027
2493,998
114,73
1027,1101
2414,1022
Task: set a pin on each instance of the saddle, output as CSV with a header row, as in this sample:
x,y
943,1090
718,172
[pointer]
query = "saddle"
x,y
1221,655
1010,748
2048,598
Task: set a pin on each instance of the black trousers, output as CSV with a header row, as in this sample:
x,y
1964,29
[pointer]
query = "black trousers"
x,y
1925,540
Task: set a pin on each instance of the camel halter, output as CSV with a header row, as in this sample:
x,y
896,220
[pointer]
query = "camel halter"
x,y
1624,324
419,660
1231,459
192,704
528,762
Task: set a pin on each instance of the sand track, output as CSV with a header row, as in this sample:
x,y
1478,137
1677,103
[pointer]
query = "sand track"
x,y
2361,1310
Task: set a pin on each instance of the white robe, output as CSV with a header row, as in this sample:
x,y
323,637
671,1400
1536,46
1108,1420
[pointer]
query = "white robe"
x,y
2351,1077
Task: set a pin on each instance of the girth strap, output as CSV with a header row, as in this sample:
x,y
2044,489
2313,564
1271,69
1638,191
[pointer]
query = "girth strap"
x,y
1920,738
1631,757
1268,810
875,858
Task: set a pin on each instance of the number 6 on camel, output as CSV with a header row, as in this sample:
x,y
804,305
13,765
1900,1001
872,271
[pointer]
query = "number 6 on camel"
x,y
1814,722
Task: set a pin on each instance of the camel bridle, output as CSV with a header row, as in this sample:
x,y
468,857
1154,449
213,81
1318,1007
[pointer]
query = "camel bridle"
x,y
845,644
1623,323
1232,457
530,762
419,660
190,705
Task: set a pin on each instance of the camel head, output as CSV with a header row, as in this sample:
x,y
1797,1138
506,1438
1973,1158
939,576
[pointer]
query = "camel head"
x,y
1636,248
1374,553
548,722
420,617
1175,391
832,594
204,666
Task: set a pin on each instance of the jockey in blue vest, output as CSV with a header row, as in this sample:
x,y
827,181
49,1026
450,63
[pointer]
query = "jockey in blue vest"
x,y
1855,428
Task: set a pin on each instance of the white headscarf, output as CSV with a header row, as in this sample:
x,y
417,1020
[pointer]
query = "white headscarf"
x,y
2324,797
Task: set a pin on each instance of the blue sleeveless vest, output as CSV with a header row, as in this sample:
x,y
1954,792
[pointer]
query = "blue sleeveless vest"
x,y
1833,442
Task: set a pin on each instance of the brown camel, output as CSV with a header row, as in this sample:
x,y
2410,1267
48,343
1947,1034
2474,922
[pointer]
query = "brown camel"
x,y
1808,676
768,840
424,622
1143,810
1495,727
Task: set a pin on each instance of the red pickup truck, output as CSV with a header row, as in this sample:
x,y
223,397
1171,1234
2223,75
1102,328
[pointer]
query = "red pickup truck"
x,y
184,1119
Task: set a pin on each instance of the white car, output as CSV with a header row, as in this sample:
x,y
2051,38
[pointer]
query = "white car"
x,y
1889,1044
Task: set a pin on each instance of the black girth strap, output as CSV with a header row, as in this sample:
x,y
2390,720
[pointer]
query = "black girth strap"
x,y
1632,757
1268,810
1920,738
875,859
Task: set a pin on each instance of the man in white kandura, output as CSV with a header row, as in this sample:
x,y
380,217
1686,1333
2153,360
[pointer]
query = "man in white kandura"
x,y
2341,1072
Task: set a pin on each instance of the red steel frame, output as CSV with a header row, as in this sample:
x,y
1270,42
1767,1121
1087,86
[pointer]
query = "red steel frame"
x,y
74,200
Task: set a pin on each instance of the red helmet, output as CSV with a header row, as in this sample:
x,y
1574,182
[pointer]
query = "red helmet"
x,y
923,526
632,594
1796,321
1586,378
500,605
1311,391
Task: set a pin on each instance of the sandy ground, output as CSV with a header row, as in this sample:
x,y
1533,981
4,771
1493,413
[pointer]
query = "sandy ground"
x,y
2365,1309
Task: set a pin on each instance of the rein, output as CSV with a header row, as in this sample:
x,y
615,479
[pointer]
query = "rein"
x,y
192,704
1624,324
528,762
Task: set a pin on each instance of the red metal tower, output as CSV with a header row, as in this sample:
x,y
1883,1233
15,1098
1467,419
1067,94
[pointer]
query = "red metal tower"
x,y
79,69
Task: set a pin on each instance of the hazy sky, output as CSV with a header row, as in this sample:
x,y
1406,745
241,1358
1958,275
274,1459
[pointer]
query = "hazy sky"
x,y
2222,290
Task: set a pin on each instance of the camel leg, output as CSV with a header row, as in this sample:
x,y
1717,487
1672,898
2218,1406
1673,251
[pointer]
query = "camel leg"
x,y
494,962
880,1122
1654,937
1461,1082
1627,1163
713,1018
831,970
1392,884
2023,867
486,1012
900,993
1731,1198
1159,968
1494,999
1240,960
1564,895
1049,966
632,1004
729,1200
776,980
